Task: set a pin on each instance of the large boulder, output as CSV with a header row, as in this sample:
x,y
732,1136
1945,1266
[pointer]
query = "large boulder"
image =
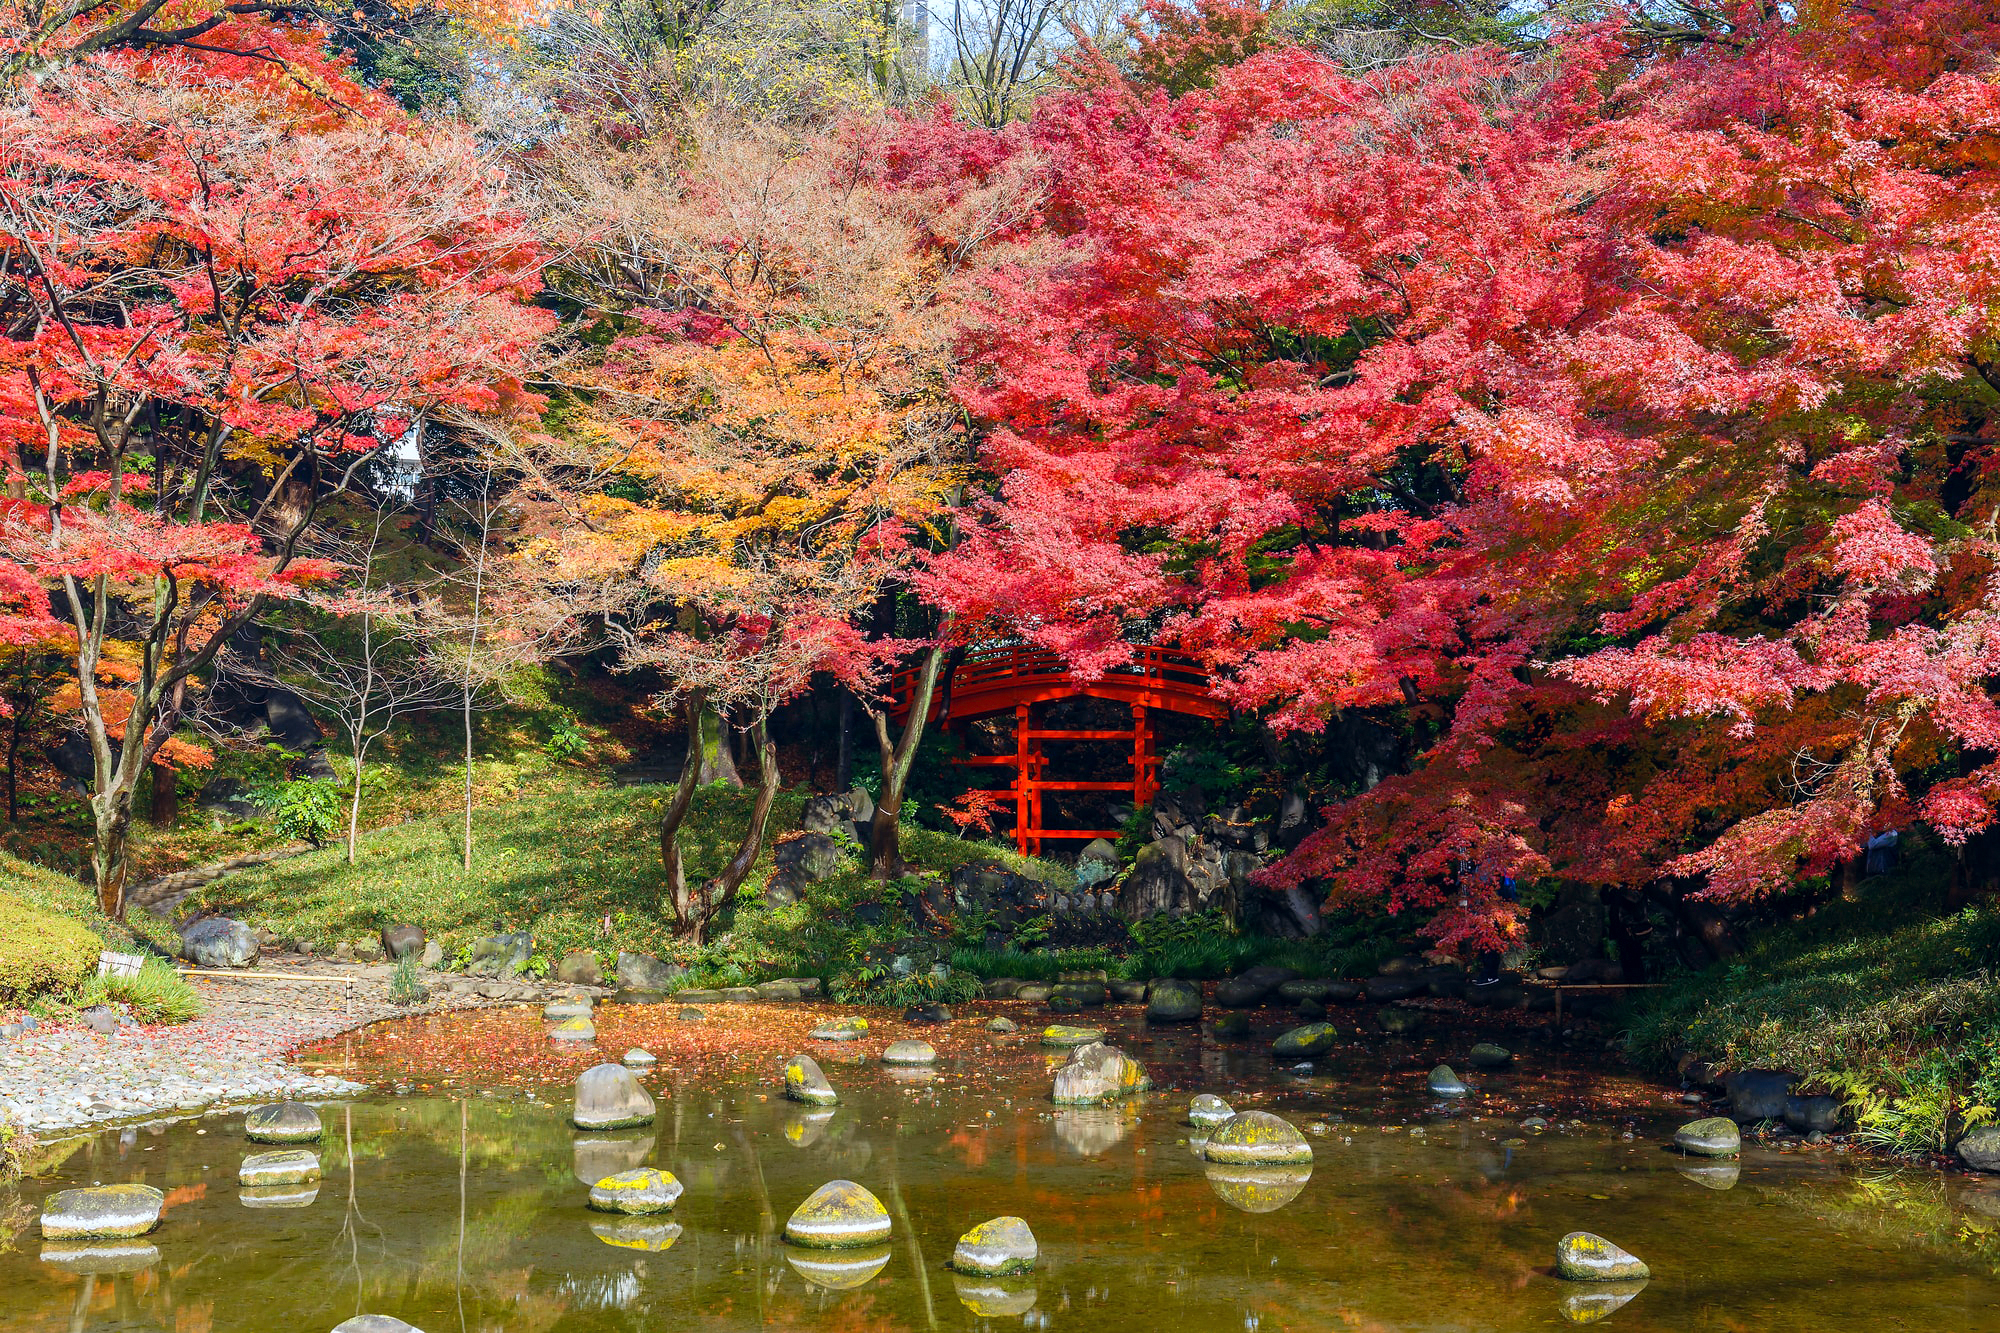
x,y
579,967
1171,1000
830,814
1081,994
802,860
501,955
1813,1115
838,1215
1174,877
400,942
1096,1074
1304,1043
218,941
1980,1149
1716,1136
1253,987
101,1212
609,1097
643,972
1759,1094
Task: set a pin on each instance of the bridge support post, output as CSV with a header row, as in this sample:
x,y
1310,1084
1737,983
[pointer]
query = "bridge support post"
x,y
1143,782
1024,780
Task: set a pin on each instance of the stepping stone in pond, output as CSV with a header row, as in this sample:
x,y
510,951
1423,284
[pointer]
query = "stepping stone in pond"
x,y
639,1058
806,1082
609,1097
1002,1025
996,1248
1716,1136
647,1190
691,1015
1062,1034
102,1212
375,1323
1445,1082
838,1215
846,1029
1584,1257
909,1053
555,1011
287,1166
1400,1022
283,1122
573,1029
1487,1055
1257,1138
1207,1111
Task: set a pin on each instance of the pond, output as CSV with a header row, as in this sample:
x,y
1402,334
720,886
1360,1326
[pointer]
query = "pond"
x,y
454,1199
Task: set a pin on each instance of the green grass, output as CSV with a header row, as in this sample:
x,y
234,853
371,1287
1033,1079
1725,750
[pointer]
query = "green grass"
x,y
555,860
157,995
1890,1002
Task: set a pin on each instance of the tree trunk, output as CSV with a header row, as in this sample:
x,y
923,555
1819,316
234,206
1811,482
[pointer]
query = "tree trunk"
x,y
717,892
676,814
885,834
718,759
843,764
108,864
164,803
354,807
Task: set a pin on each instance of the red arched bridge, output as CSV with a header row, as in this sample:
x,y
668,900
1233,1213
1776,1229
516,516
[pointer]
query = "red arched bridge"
x,y
1002,678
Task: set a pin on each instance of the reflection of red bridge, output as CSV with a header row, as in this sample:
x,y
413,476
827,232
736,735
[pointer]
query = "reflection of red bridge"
x,y
994,679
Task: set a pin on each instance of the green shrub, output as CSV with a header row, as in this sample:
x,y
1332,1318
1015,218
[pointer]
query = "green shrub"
x,y
15,1145
157,995
305,808
405,986
41,953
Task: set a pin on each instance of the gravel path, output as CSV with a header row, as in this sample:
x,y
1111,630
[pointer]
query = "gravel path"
x,y
70,1078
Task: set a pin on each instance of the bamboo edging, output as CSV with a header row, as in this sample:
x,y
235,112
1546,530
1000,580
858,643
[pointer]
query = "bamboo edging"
x,y
347,994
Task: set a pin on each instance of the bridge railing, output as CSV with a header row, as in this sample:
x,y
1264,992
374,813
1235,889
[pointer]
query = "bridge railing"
x,y
989,675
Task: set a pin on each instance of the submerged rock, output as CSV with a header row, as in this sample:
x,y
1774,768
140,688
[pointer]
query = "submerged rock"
x,y
1716,1136
609,1097
909,1053
287,1166
1398,1021
283,1122
996,1248
1002,1025
839,1270
806,1082
1445,1082
838,1215
1207,1111
1062,1034
647,1190
1310,1040
1231,1027
573,1029
1487,1055
101,1212
1584,1257
1257,1138
1257,1189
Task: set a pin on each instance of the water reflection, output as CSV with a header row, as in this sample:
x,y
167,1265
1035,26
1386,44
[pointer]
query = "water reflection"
x,y
601,1155
839,1270
100,1257
1588,1302
1091,1130
805,1127
278,1196
1711,1175
650,1234
995,1297
1257,1189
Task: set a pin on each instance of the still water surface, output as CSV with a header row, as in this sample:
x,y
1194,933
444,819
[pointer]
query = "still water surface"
x,y
458,1204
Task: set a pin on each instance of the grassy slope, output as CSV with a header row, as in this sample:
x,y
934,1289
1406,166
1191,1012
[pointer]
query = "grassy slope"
x,y
1890,1001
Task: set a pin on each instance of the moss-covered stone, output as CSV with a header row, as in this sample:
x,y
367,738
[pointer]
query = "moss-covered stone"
x,y
1716,1136
996,1248
1258,1138
1062,1034
806,1082
1582,1256
283,1122
636,1193
838,1215
1303,1043
102,1212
